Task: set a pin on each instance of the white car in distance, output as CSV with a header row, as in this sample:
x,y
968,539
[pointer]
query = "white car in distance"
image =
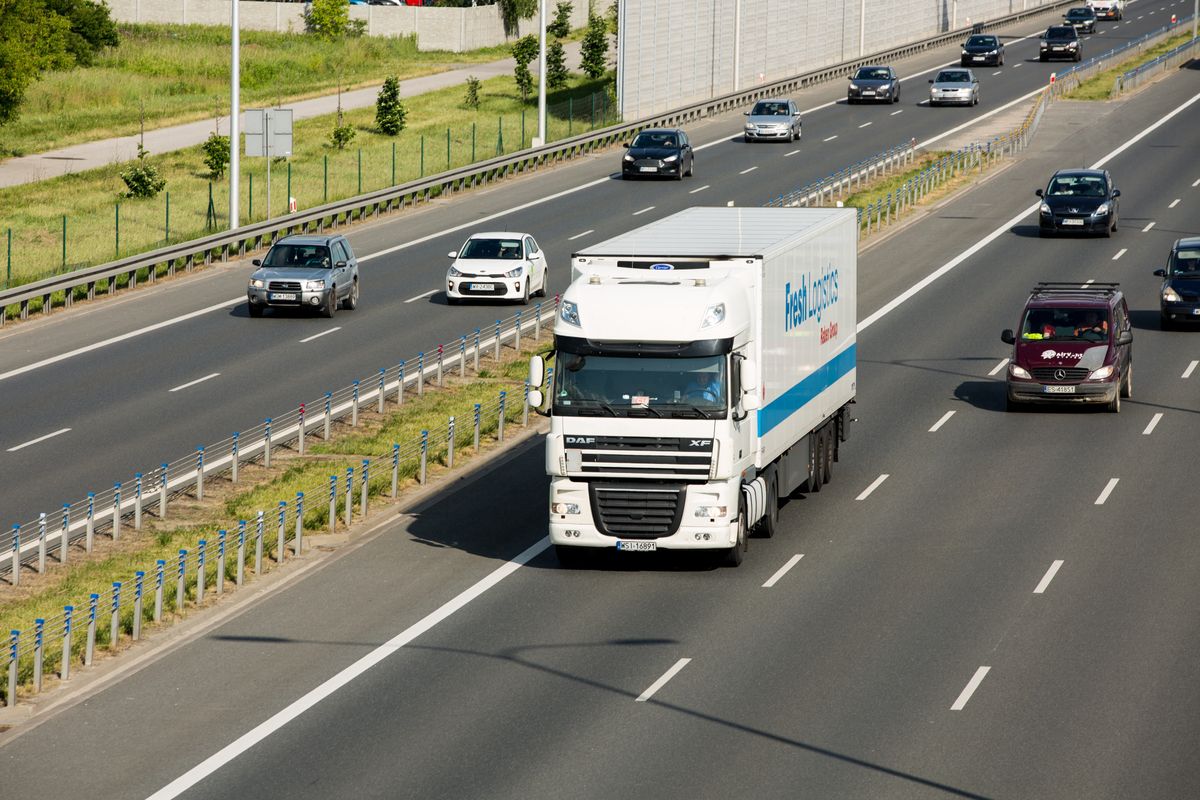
x,y
500,266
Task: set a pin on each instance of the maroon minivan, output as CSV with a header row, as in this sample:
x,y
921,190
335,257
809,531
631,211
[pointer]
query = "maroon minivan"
x,y
1074,345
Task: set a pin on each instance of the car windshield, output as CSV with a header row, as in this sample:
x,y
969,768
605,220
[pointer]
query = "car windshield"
x,y
623,386
1076,186
491,248
1186,262
1065,324
953,77
1060,33
656,139
298,256
872,74
982,41
1079,13
769,109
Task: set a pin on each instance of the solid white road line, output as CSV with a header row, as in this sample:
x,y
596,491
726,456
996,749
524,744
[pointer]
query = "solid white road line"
x,y
39,439
661,682
945,418
1187,373
874,485
998,367
981,117
1049,576
1148,227
865,125
1153,423
830,139
643,211
745,171
190,384
420,296
294,710
785,155
1112,484
972,685
1120,253
894,113
701,189
326,333
1174,203
580,235
793,561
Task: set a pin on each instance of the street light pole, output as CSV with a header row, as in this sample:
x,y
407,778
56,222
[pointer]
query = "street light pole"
x,y
541,137
234,113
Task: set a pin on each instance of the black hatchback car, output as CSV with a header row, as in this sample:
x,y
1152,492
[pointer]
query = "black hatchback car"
x,y
1060,41
1180,293
983,48
1082,19
659,151
1079,201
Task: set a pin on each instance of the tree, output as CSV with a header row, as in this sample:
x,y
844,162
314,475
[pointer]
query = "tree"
x,y
513,10
92,29
556,66
472,98
31,42
216,155
595,47
328,19
142,179
390,113
524,50
561,26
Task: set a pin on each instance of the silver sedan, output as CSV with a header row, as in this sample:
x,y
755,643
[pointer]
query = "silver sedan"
x,y
954,86
777,119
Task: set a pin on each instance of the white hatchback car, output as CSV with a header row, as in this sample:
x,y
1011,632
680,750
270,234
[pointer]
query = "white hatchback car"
x,y
502,266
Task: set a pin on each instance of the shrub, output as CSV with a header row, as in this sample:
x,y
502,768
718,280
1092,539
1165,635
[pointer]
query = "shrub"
x,y
341,135
390,113
556,66
472,98
216,155
327,19
561,26
142,179
524,50
595,48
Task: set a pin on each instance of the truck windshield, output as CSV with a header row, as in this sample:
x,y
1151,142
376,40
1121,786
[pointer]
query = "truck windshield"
x,y
633,387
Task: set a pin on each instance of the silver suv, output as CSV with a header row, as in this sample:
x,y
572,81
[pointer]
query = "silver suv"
x,y
318,272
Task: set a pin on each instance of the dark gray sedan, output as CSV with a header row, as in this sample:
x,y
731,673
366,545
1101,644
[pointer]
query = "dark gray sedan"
x,y
317,272
874,84
777,119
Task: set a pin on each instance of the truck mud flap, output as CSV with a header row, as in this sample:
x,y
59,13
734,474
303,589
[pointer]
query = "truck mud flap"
x,y
755,495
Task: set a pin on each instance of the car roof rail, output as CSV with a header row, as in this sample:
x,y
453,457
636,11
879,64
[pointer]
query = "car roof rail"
x,y
1074,287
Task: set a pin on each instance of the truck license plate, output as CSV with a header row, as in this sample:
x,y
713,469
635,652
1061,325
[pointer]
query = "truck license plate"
x,y
282,296
640,546
480,287
1059,389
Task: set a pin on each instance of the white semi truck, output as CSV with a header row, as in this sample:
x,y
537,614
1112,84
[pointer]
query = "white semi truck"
x,y
703,369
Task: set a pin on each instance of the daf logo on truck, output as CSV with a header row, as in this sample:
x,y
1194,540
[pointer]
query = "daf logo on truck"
x,y
580,439
810,299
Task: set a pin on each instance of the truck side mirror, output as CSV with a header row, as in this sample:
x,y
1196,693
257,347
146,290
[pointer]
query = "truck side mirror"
x,y
748,373
1007,337
537,373
535,398
750,401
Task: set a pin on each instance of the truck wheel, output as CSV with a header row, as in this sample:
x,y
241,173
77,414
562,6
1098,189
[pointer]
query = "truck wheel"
x,y
770,521
827,467
817,479
735,554
571,557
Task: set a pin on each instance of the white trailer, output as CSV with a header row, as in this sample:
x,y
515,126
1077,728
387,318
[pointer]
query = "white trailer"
x,y
704,367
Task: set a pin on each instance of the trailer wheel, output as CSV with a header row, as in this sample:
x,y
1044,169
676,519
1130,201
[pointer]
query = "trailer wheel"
x,y
770,520
827,467
735,554
817,478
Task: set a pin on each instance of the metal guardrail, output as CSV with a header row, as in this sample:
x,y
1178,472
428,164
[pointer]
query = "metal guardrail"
x,y
1072,78
128,273
1144,73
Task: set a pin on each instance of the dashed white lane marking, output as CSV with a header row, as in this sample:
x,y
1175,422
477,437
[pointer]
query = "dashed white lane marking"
x,y
1148,227
1120,253
1153,422
581,235
830,139
945,418
1049,576
894,113
865,124
997,72
998,367
338,328
39,439
1088,283
1014,66
1174,203
1187,373
421,296
1112,484
661,682
970,688
701,189
793,561
785,155
1196,183
190,384
644,210
874,485
750,169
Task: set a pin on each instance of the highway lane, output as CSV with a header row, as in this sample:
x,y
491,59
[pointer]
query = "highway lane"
x,y
265,368
836,681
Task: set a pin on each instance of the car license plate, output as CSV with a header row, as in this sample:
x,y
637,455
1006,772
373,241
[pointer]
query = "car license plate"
x,y
648,169
979,58
283,296
639,546
1059,389
868,92
481,287
1056,49
1072,222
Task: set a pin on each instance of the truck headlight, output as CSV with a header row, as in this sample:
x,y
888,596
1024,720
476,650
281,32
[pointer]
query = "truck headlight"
x,y
257,283
1101,374
564,508
1170,295
712,512
1019,372
715,315
314,286
570,313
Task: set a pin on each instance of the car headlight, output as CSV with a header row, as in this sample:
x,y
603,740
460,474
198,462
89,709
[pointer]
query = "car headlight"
x,y
855,86
1101,210
515,272
1073,44
670,159
993,52
564,508
570,313
1044,45
749,126
628,157
257,283
1170,295
314,286
1101,374
1019,372
712,511
454,272
1044,209
965,52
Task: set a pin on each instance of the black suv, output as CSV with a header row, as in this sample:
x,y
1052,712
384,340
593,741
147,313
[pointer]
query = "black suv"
x,y
1180,293
1060,41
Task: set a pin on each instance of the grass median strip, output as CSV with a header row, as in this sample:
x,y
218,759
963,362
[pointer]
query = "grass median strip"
x,y
259,489
1099,86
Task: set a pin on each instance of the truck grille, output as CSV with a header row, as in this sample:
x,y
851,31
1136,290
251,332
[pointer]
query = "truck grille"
x,y
637,511
673,458
1070,374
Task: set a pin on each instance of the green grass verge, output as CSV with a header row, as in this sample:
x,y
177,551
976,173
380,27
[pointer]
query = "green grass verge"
x,y
259,489
441,134
879,189
1099,86
180,73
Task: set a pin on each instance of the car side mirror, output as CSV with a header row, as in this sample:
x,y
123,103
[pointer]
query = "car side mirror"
x,y
1125,337
1007,337
745,113
257,262
340,265
452,254
1162,273
626,145
1116,193
931,80
1038,192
